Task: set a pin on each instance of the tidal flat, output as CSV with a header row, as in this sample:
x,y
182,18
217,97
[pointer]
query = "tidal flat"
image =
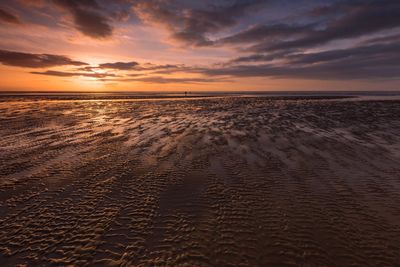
x,y
218,181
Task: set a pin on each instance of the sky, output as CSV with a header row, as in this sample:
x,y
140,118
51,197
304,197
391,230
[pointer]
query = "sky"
x,y
210,45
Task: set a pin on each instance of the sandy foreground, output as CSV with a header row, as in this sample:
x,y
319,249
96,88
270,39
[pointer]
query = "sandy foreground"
x,y
203,182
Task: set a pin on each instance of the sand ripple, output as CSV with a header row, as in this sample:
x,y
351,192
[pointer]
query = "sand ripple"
x,y
206,182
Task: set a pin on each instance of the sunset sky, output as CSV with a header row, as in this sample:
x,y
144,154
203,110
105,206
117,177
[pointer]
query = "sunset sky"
x,y
129,45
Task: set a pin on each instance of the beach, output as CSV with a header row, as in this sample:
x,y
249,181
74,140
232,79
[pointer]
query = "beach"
x,y
200,181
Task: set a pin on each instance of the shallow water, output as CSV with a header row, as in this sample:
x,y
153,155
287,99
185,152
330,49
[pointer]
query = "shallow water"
x,y
227,181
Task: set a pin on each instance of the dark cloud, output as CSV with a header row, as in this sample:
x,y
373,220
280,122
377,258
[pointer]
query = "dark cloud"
x,y
119,65
260,57
266,32
377,61
150,66
92,24
78,4
133,65
71,74
369,53
356,19
136,74
192,38
166,68
191,25
379,47
7,17
339,20
28,60
321,72
88,17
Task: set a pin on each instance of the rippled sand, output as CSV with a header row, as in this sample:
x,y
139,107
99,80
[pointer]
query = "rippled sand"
x,y
201,182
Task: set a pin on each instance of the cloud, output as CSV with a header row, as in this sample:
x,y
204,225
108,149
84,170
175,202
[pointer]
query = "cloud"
x,y
33,3
368,62
370,50
260,57
192,38
190,25
28,60
71,74
92,24
133,65
119,65
87,17
7,17
369,53
150,66
356,19
259,33
194,25
323,72
385,39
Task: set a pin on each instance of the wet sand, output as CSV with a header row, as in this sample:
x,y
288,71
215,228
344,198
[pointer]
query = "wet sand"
x,y
235,181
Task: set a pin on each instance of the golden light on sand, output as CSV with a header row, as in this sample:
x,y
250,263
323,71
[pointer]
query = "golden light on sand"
x,y
178,179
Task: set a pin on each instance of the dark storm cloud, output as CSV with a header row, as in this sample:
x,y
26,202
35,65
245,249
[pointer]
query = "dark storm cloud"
x,y
88,17
71,74
328,22
7,17
217,16
191,25
29,60
281,50
355,20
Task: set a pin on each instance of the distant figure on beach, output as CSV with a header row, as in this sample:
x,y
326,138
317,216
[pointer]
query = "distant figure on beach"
x,y
185,94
